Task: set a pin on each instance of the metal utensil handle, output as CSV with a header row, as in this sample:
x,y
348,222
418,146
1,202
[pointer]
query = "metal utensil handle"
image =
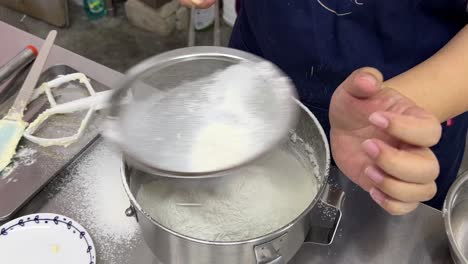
x,y
216,31
18,62
9,90
333,198
26,91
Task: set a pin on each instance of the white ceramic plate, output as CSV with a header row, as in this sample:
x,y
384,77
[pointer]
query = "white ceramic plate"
x,y
45,238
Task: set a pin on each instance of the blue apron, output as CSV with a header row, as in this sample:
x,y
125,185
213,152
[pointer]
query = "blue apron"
x,y
318,43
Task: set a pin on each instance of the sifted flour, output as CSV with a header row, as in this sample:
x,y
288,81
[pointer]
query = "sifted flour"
x,y
243,109
206,153
258,200
23,157
94,191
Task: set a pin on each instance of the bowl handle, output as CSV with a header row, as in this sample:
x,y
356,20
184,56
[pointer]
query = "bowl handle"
x,y
270,252
326,216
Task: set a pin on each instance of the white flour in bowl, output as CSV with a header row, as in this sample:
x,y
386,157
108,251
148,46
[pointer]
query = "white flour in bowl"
x,y
260,199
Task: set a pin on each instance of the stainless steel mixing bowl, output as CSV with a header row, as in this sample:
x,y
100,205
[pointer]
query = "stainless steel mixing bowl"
x,y
277,247
455,214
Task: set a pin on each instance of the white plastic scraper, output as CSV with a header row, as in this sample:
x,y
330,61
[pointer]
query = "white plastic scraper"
x,y
12,125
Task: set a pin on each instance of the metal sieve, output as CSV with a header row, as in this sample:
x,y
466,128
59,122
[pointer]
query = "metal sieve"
x,y
201,111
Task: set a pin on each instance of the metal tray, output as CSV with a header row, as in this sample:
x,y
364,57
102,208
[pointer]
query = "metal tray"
x,y
30,173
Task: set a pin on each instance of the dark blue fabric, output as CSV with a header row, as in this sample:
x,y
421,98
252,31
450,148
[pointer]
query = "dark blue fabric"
x,y
318,43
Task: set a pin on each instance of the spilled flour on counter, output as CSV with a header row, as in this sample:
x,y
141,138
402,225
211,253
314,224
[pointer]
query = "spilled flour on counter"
x,y
94,190
259,199
23,157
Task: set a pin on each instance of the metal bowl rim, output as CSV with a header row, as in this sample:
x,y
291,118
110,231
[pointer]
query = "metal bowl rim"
x,y
256,240
446,213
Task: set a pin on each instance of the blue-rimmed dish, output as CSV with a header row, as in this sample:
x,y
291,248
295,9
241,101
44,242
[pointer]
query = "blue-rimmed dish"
x,y
45,238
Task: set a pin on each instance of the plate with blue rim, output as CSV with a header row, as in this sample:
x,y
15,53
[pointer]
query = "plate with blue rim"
x,y
45,238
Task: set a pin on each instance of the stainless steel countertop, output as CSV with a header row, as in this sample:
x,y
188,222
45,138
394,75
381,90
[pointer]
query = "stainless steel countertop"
x,y
366,234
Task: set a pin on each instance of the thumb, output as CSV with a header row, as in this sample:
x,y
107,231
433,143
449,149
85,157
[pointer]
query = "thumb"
x,y
363,83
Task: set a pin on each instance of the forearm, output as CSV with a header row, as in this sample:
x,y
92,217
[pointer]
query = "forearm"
x,y
440,84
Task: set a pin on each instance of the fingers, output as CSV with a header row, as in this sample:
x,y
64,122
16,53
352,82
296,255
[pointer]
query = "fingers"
x,y
390,205
400,190
413,165
363,83
401,177
197,3
422,130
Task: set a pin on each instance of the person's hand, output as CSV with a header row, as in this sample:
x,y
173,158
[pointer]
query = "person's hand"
x,y
197,3
380,139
